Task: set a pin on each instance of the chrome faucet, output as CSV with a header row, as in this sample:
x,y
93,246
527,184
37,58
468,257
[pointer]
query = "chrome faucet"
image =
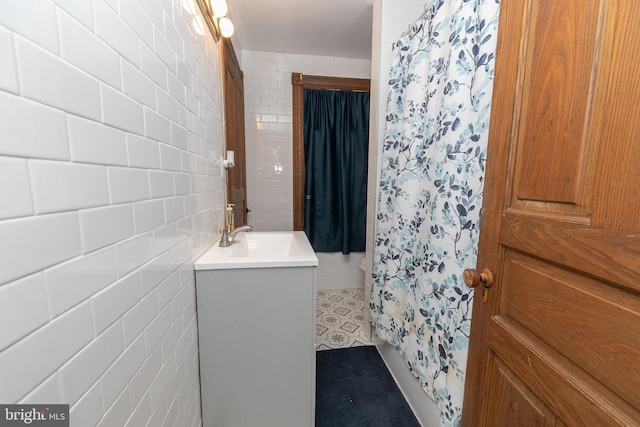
x,y
228,237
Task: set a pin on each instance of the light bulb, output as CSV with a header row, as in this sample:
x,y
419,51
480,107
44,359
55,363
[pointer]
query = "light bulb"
x,y
219,8
226,27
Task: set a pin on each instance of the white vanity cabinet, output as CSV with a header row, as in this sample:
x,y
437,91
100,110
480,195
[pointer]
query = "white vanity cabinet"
x,y
256,330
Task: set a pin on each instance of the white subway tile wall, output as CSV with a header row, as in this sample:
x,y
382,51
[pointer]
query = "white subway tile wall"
x,y
338,271
110,188
15,194
8,71
18,115
63,86
268,123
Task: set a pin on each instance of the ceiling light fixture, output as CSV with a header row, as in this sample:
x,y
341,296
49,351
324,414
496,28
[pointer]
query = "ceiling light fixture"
x,y
219,9
226,27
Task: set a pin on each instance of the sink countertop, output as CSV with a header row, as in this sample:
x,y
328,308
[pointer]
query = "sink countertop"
x,y
260,250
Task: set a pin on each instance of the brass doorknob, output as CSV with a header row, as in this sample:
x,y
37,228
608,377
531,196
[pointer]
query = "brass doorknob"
x,y
472,278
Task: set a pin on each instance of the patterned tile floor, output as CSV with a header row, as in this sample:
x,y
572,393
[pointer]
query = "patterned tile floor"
x,y
339,319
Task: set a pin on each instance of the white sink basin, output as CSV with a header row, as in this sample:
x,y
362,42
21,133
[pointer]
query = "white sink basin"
x,y
260,250
264,245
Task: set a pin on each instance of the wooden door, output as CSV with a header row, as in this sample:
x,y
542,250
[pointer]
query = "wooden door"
x,y
234,128
557,341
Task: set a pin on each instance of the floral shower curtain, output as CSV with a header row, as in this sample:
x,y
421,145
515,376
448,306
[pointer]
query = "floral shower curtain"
x,y
431,190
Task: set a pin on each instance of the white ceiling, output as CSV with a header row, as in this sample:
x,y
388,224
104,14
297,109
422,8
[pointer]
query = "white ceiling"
x,y
339,28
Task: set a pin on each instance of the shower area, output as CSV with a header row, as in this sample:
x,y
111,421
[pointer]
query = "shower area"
x,y
431,132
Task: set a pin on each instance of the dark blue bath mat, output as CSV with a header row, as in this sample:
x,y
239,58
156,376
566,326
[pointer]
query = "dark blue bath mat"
x,y
354,388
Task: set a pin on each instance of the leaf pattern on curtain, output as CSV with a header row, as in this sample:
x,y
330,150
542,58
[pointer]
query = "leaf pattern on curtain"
x,y
431,190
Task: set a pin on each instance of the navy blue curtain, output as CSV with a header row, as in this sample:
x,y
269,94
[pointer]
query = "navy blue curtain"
x,y
336,145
